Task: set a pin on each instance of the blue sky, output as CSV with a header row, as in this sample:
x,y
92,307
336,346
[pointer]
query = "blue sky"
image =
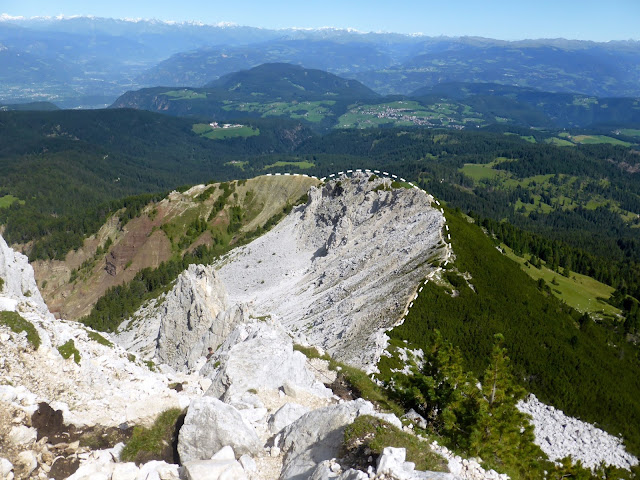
x,y
504,19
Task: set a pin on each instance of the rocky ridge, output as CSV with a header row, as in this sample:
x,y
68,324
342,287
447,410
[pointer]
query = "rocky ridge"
x,y
341,269
87,392
291,422
336,272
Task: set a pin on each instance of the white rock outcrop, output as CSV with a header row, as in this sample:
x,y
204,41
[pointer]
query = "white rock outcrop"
x,y
259,355
179,327
331,470
211,425
466,469
559,435
285,416
19,283
341,269
392,465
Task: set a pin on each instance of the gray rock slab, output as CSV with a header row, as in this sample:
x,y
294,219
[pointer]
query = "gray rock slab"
x,y
211,425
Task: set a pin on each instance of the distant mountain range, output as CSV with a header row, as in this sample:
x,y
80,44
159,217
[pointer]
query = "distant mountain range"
x,y
285,81
325,101
88,62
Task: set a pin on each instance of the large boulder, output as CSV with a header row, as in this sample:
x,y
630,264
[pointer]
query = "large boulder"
x,y
211,425
392,464
222,466
317,436
329,470
260,355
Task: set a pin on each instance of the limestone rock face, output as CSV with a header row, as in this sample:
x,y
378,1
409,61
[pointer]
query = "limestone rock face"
x,y
178,328
317,436
259,355
326,470
19,281
211,425
342,268
392,464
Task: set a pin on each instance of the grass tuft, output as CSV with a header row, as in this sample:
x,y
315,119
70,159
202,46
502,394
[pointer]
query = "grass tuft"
x,y
359,381
96,337
376,434
68,349
18,324
153,443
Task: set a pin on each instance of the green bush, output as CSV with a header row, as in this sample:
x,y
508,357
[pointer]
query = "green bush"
x,y
18,324
96,337
376,434
68,349
155,443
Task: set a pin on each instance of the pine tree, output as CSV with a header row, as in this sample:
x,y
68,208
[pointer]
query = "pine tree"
x,y
442,392
502,435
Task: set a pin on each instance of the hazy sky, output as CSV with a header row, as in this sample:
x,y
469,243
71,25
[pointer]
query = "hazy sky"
x,y
505,19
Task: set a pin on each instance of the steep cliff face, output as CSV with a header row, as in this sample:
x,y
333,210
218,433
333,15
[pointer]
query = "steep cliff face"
x,y
341,269
146,240
178,328
18,282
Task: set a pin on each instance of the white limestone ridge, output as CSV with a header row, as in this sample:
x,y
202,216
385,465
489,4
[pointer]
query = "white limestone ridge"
x,y
337,272
178,328
340,270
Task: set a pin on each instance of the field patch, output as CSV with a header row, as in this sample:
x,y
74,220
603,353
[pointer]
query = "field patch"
x,y
302,164
583,293
630,132
8,200
559,142
311,111
596,139
481,172
221,133
185,94
409,113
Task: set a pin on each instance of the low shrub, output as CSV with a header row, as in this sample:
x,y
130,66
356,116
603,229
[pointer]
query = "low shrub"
x,y
18,324
68,349
155,443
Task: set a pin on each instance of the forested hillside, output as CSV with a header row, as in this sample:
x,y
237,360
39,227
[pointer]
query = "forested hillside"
x,y
564,358
583,200
62,172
